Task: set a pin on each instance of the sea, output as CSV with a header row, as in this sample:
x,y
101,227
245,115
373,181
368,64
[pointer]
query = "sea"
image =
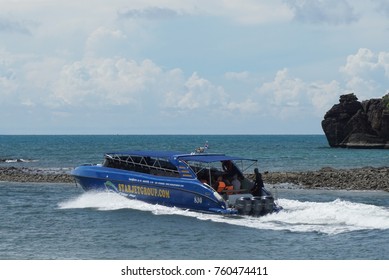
x,y
57,221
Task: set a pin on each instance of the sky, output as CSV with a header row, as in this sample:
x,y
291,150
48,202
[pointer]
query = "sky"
x,y
186,67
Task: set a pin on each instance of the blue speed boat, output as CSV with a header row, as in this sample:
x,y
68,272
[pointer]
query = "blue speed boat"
x,y
196,181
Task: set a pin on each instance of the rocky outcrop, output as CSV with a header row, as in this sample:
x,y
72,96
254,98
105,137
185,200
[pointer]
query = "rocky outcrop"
x,y
355,124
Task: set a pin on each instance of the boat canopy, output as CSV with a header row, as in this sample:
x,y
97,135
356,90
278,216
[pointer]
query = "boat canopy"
x,y
158,154
175,164
208,158
198,157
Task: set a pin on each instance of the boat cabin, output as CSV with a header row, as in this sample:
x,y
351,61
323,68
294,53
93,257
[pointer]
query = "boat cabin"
x,y
210,169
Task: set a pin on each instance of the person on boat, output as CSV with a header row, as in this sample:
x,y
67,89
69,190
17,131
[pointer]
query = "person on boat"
x,y
258,188
222,186
232,173
229,168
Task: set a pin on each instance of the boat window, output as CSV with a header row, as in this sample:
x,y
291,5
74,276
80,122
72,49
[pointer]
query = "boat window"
x,y
147,165
206,172
210,172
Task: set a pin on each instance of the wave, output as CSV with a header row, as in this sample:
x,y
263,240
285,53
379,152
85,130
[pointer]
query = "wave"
x,y
14,160
334,217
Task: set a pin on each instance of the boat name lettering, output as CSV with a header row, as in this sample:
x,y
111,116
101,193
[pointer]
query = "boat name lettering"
x,y
145,181
169,184
149,191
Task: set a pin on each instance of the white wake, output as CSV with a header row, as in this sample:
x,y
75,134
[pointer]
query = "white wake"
x,y
324,217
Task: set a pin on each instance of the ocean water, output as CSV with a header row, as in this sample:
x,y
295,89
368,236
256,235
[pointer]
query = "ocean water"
x,y
274,152
60,221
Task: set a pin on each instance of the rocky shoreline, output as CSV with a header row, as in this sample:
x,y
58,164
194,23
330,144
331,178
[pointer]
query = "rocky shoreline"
x,y
366,178
33,175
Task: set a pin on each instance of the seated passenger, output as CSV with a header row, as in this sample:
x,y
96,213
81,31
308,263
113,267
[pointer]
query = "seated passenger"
x,y
222,186
235,183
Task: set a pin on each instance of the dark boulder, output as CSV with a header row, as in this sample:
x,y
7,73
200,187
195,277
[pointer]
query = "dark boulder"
x,y
353,124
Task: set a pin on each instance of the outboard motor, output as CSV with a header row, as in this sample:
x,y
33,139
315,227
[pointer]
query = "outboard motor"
x,y
243,205
258,206
268,202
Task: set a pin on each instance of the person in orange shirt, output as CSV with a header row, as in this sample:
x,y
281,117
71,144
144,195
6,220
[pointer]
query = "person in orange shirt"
x,y
222,186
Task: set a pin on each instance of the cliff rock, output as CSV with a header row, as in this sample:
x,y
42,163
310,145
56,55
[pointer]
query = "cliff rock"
x,y
355,124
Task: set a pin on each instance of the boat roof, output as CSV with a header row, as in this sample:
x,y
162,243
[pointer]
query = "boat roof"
x,y
199,157
208,158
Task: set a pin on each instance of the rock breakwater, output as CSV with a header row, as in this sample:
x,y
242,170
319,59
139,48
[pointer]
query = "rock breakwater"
x,y
366,178
24,175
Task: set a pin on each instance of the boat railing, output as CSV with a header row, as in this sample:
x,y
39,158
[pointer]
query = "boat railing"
x,y
141,164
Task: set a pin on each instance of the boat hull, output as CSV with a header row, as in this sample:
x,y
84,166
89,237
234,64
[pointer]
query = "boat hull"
x,y
173,192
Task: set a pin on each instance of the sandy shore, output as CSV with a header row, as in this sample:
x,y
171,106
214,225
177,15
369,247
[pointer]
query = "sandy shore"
x,y
366,178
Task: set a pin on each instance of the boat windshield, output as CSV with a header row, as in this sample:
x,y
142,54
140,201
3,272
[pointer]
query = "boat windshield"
x,y
228,171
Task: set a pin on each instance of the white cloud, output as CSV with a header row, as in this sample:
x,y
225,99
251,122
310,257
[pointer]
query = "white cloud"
x,y
7,86
239,76
383,61
319,11
364,61
152,13
171,57
324,95
288,97
382,6
42,72
283,90
244,108
252,12
367,73
197,94
104,42
8,83
13,26
97,82
246,12
104,82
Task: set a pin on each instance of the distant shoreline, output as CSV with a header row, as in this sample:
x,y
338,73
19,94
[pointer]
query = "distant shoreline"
x,y
365,178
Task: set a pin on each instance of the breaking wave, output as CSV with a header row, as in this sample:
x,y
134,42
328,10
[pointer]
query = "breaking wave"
x,y
333,217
